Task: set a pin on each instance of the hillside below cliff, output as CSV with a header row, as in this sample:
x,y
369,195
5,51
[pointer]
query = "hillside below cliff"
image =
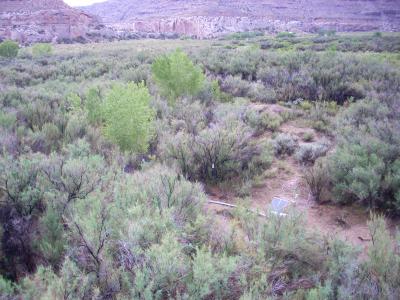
x,y
30,21
210,18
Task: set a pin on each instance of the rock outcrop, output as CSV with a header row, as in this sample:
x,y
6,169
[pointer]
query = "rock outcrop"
x,y
29,21
208,18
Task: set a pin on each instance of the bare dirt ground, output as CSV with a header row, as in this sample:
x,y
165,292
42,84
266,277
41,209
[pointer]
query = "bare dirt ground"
x,y
285,180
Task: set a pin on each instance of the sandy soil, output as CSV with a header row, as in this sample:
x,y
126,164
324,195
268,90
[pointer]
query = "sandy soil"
x,y
285,180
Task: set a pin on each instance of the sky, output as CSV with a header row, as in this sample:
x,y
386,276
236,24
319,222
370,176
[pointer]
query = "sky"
x,y
81,2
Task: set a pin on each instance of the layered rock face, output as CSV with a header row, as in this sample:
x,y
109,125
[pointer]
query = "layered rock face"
x,y
208,18
28,21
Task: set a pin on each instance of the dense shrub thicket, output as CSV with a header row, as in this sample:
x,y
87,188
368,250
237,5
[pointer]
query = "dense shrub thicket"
x,y
104,153
365,167
41,49
288,76
213,148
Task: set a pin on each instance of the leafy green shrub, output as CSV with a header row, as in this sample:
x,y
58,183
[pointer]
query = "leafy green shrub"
x,y
42,49
8,49
176,75
284,144
129,117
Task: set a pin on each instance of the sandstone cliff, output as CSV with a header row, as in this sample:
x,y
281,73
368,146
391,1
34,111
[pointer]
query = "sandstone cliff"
x,y
207,18
30,21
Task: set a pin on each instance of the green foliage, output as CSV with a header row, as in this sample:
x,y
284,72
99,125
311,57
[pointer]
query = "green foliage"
x,y
244,35
218,153
73,176
319,293
218,94
264,121
357,173
382,259
162,190
168,264
81,219
7,120
283,242
364,166
90,228
46,285
129,117
177,76
42,49
43,285
20,181
377,277
52,243
93,105
6,288
8,49
285,35
211,275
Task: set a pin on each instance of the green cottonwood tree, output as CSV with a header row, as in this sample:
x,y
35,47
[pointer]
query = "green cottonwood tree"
x,y
9,49
129,117
176,75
